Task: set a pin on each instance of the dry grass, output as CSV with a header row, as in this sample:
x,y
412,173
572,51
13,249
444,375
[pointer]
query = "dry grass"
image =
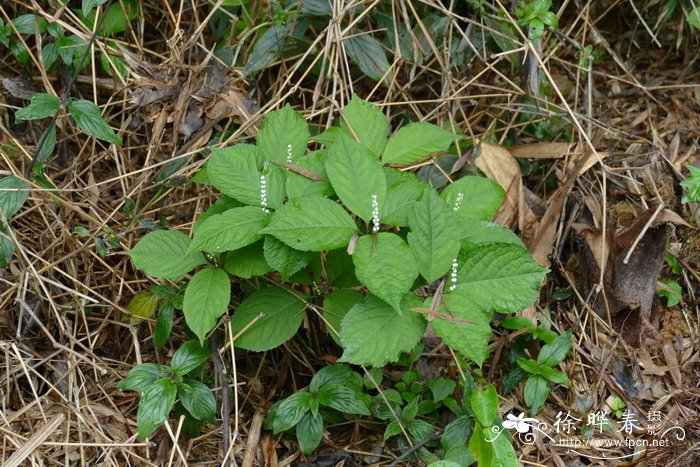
x,y
65,341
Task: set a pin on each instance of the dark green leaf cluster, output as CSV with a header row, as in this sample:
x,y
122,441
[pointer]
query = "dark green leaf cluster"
x,y
13,193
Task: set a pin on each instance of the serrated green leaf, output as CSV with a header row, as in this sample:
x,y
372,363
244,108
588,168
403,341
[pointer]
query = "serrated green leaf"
x,y
341,398
312,224
283,136
385,265
222,205
234,229
236,172
367,123
26,24
89,119
154,406
401,195
309,432
535,392
333,374
268,49
299,185
416,140
198,400
290,411
206,298
13,193
368,55
349,163
485,232
474,198
329,136
283,314
41,105
434,236
467,330
189,356
247,262
373,333
284,258
335,306
163,254
484,404
554,353
142,377
142,305
499,276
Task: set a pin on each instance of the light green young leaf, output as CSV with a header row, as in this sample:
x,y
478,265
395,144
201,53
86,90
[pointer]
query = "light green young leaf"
x,y
484,404
368,55
284,258
309,432
41,105
385,265
234,229
299,185
236,172
282,314
206,298
356,176
283,136
499,276
198,400
163,254
672,291
434,236
465,326
89,119
13,193
485,232
154,406
367,123
312,224
416,140
692,184
247,262
335,306
474,198
373,333
535,392
401,195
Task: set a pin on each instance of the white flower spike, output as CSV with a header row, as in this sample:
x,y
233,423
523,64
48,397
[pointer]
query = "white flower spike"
x,y
263,194
375,214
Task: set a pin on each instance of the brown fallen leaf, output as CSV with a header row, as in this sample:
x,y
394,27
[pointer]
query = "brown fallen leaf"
x,y
498,164
542,150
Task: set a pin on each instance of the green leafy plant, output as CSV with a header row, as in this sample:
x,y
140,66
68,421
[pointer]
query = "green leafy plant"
x,y
13,194
618,406
162,386
692,185
535,15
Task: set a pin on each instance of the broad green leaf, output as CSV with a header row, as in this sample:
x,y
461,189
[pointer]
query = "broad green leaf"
x,y
27,24
673,292
277,315
504,454
312,224
367,123
206,298
309,432
535,392
554,353
456,432
236,171
164,325
299,185
329,136
142,377
234,229
284,258
340,270
247,262
189,356
41,105
290,411
222,205
7,248
416,140
419,429
283,136
163,254
441,388
368,55
335,306
555,376
198,400
142,305
484,232
88,5
115,21
373,333
48,144
202,176
465,326
434,236
49,55
154,406
499,276
474,198
529,365
268,49
89,119
484,404
333,374
401,195
694,17
341,398
356,177
385,265
13,193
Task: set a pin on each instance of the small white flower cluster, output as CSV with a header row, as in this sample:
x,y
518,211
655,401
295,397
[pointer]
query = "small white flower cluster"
x,y
375,214
453,275
458,202
263,194
289,154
